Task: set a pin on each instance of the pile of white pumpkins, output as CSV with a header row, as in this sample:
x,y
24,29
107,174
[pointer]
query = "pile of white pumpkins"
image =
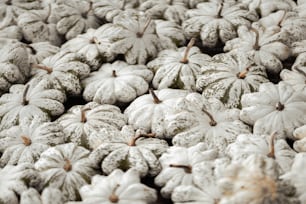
x,y
205,129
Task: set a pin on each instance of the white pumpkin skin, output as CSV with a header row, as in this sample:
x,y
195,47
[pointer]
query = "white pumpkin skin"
x,y
13,32
128,149
41,50
169,10
274,108
73,17
80,121
35,28
48,196
13,181
178,68
295,77
148,112
94,45
14,64
64,69
299,135
137,38
24,143
107,10
255,180
171,35
228,76
217,21
35,100
117,82
182,166
65,167
296,176
248,144
118,187
263,45
197,119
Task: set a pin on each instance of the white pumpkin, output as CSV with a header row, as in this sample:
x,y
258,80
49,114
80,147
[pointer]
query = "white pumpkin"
x,y
80,121
297,176
64,69
200,120
118,187
40,50
35,28
94,45
128,149
14,181
264,7
295,77
148,111
25,143
228,76
299,135
270,146
65,167
171,10
107,10
299,50
137,38
178,68
35,100
217,21
170,34
300,8
117,82
73,17
13,32
182,166
205,190
14,65
274,108
263,45
255,180
48,196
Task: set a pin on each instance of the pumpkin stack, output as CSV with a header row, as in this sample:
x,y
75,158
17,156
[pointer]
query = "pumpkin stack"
x,y
152,101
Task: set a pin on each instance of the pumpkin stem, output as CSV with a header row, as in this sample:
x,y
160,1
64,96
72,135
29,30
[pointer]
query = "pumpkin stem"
x,y
189,46
26,140
212,121
300,71
123,4
242,75
67,165
134,139
219,10
114,74
282,19
272,148
187,168
94,40
155,98
280,106
83,115
38,66
256,44
85,14
25,101
33,51
113,197
140,34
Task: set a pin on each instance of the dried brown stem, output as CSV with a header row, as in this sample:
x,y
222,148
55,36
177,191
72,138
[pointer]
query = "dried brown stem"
x,y
25,101
113,197
189,46
94,40
280,106
220,10
242,75
256,44
271,154
187,168
26,140
114,74
83,114
155,98
134,139
67,166
39,66
212,121
140,34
